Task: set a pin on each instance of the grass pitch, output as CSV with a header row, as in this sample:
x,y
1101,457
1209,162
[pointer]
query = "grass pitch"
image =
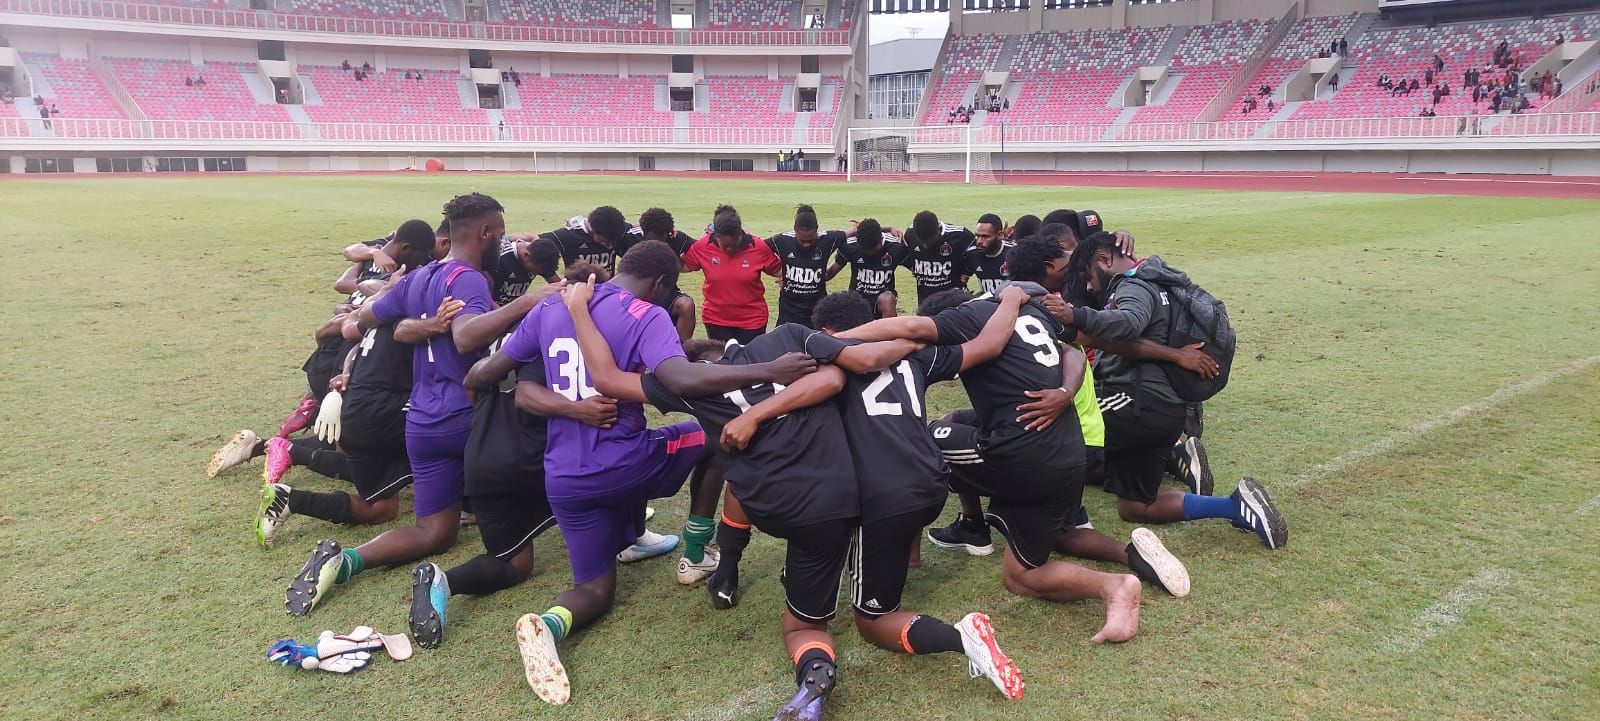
x,y
1440,563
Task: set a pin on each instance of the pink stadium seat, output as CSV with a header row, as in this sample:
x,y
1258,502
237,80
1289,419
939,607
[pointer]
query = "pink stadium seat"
x,y
157,86
584,13
78,93
1206,59
388,97
1071,77
967,58
740,15
1305,39
588,100
388,9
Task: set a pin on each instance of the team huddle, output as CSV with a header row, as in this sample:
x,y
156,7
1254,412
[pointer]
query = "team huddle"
x,y
520,406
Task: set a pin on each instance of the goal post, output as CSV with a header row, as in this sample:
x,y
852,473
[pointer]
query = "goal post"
x,y
925,154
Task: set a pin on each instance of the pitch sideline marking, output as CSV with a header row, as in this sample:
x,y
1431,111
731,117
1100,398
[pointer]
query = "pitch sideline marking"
x,y
1448,611
1449,418
1589,506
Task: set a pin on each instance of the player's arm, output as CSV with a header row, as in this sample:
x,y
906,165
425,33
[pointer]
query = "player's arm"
x,y
1189,357
991,341
369,316
907,327
371,286
413,331
346,283
475,331
804,393
331,328
1050,403
875,356
1124,322
597,359
533,397
834,269
486,373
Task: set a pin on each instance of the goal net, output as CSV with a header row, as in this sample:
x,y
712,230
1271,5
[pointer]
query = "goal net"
x,y
930,154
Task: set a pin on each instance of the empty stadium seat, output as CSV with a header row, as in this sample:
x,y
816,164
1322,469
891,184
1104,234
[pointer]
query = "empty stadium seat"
x,y
740,15
1305,40
388,9
967,57
1071,77
77,91
588,100
1206,59
586,13
388,97
157,87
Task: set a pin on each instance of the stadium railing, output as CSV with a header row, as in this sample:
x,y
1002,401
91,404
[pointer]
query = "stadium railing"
x,y
1499,126
427,29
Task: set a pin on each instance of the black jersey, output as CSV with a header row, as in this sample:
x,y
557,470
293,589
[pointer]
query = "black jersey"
x,y
1031,361
508,278
805,272
324,363
797,467
938,268
992,271
578,244
872,272
505,449
680,241
900,468
380,377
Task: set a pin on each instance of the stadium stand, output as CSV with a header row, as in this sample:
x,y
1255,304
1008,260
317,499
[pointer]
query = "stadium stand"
x,y
1071,77
966,59
77,91
589,100
594,13
735,15
1407,53
1208,56
158,88
388,97
1306,39
388,9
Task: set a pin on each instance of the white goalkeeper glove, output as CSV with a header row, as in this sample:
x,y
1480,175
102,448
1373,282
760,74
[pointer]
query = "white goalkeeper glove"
x,y
327,426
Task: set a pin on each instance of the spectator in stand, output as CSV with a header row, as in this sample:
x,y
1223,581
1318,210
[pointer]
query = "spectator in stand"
x,y
1427,76
1415,86
1546,83
1265,91
188,82
1438,62
200,81
1269,105
1556,93
55,111
366,68
283,96
1344,46
1333,82
345,66
1006,104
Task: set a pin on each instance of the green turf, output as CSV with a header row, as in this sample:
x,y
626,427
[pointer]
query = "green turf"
x,y
1447,577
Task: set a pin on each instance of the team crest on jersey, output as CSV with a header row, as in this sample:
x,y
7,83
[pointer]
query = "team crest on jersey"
x,y
886,261
744,263
714,261
1005,269
944,249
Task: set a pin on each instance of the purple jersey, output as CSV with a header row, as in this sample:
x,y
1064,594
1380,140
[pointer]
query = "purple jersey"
x,y
439,403
582,461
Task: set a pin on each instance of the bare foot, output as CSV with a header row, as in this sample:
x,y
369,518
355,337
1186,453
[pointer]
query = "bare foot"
x,y
1122,611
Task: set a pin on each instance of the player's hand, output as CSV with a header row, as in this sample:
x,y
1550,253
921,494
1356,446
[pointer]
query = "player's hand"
x,y
791,367
1124,242
327,426
1042,413
1190,358
370,287
383,261
578,295
439,324
597,411
1014,295
549,289
736,434
339,382
1057,307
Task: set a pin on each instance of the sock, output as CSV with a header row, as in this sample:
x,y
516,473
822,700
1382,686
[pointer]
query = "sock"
x,y
482,575
732,538
332,506
811,654
1197,507
352,565
259,449
559,620
926,634
323,461
977,523
696,534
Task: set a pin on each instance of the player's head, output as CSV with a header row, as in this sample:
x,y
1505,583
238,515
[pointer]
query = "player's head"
x,y
1063,216
728,230
1096,260
869,234
1089,223
1039,260
1059,234
988,230
926,225
703,350
943,300
580,272
413,244
805,224
477,223
652,271
839,312
657,224
1025,226
441,234
607,225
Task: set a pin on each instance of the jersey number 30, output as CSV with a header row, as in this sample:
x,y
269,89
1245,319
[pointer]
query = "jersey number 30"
x,y
574,385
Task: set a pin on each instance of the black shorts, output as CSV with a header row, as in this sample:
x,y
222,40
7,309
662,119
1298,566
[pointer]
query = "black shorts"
x,y
1194,420
872,300
812,564
1139,437
1030,505
510,521
880,557
742,336
378,472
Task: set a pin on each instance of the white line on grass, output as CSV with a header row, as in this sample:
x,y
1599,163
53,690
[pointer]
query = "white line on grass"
x,y
1448,611
764,699
1449,418
1589,506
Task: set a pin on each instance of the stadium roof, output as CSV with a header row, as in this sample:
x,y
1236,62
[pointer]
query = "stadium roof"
x,y
903,56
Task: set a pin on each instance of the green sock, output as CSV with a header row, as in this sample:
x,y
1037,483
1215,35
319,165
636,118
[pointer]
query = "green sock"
x,y
697,533
559,620
352,565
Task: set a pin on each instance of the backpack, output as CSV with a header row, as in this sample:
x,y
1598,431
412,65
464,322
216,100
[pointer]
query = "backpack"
x,y
1196,316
